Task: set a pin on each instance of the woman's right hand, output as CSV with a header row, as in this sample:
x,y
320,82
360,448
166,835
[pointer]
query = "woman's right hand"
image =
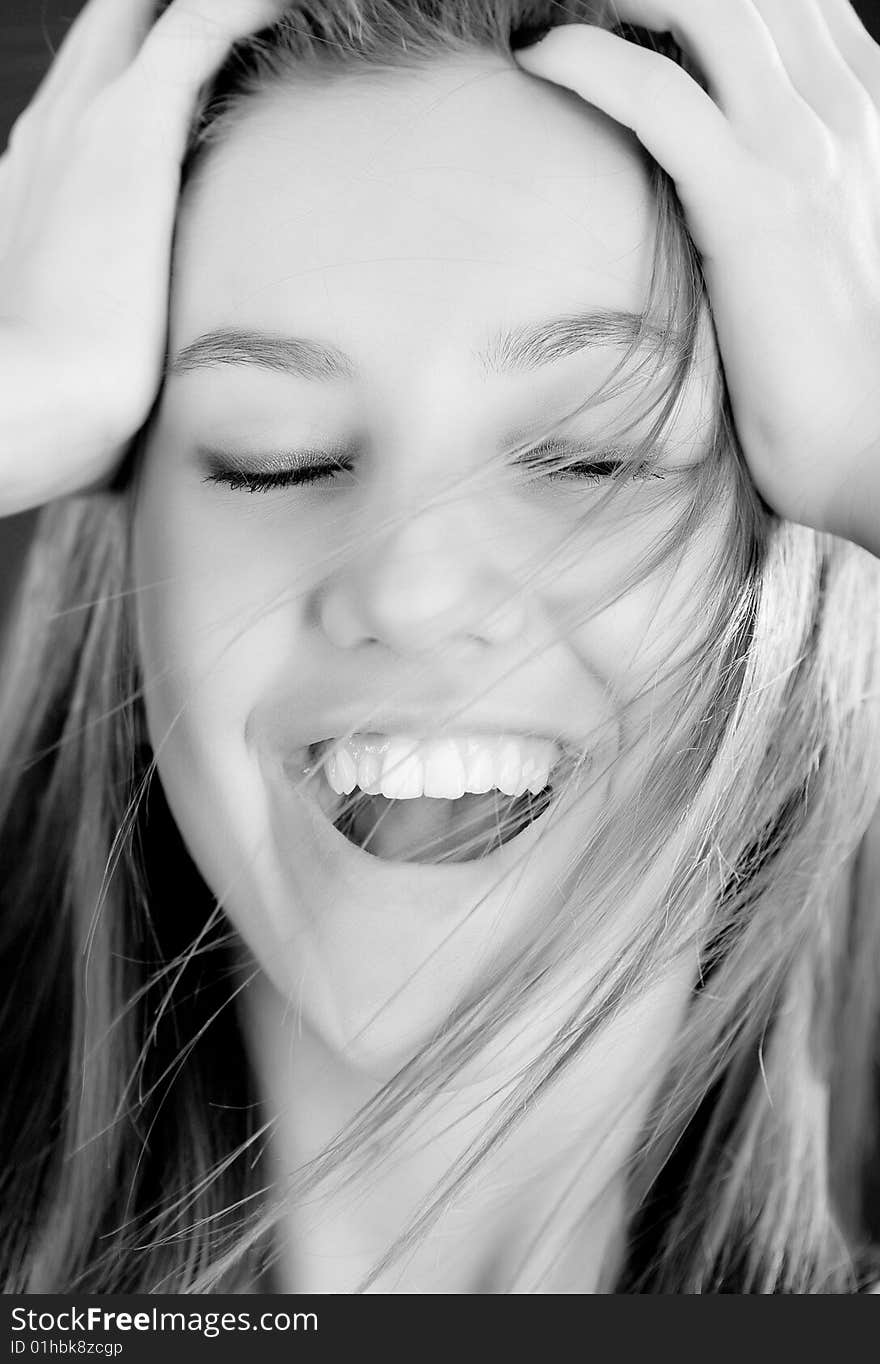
x,y
88,194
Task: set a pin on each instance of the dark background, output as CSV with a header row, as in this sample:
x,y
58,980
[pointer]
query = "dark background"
x,y
30,31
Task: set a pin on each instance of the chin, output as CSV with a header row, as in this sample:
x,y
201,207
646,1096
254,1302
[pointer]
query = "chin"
x,y
372,1013
373,954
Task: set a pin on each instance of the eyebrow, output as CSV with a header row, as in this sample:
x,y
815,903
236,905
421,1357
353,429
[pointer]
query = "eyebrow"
x,y
508,351
295,355
521,349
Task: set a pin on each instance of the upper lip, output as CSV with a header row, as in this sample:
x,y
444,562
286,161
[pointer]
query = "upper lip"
x,y
300,734
422,724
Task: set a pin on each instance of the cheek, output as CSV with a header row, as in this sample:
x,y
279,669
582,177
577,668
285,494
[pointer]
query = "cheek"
x,y
632,624
222,585
215,624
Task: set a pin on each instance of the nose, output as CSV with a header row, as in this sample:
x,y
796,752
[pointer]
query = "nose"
x,y
429,585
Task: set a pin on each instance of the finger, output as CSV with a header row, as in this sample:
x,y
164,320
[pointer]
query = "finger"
x,y
14,170
182,51
814,61
6,200
731,45
100,43
192,38
673,118
860,51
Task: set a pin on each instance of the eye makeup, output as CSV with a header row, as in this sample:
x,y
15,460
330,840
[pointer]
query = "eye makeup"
x,y
566,459
554,460
274,470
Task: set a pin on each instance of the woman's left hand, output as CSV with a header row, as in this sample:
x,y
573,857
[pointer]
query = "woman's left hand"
x,y
777,165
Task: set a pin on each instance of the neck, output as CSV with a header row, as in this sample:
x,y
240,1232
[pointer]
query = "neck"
x,y
546,1213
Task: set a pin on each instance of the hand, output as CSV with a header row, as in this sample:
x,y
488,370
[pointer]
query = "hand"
x,y
777,165
88,194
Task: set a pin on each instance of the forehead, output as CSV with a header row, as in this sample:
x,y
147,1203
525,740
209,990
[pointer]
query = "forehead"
x,y
400,213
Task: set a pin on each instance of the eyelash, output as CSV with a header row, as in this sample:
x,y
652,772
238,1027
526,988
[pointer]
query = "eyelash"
x,y
266,481
254,481
549,461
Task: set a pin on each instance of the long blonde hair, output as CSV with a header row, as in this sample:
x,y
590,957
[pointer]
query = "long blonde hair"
x,y
131,1116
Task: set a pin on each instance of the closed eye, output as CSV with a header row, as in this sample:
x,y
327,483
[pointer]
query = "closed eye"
x,y
554,460
308,468
593,470
573,461
561,459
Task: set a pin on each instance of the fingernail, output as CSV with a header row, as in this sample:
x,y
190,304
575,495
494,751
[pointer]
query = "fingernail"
x,y
528,35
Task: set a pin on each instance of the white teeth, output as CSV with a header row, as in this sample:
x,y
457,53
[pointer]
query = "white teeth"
x,y
534,775
480,767
346,771
404,767
445,775
369,769
510,765
402,771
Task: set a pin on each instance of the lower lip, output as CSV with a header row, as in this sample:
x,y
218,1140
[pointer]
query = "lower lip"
x,y
346,857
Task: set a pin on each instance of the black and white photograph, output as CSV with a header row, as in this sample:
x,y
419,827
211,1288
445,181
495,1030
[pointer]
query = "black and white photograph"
x,y
439,653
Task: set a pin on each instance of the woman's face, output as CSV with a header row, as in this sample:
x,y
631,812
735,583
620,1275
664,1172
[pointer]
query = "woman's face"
x,y
382,281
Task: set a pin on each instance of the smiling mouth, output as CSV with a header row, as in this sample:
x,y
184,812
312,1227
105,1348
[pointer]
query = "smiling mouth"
x,y
404,799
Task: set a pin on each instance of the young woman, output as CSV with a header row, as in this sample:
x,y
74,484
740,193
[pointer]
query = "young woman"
x,y
440,726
